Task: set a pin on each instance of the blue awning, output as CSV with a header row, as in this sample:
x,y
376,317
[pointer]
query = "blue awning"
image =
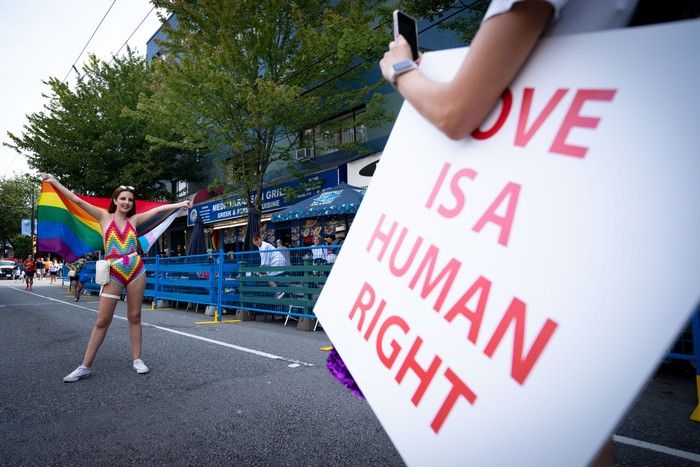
x,y
341,199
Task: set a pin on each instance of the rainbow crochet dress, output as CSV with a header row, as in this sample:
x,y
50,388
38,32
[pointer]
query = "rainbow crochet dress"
x,y
120,250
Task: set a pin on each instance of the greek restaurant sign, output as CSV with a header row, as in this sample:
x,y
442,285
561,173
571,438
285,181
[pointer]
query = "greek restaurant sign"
x,y
500,300
234,206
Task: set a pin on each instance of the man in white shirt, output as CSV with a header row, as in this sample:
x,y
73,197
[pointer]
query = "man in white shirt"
x,y
269,256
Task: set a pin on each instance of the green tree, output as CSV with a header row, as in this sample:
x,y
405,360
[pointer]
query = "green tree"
x,y
21,246
87,137
243,79
461,16
15,205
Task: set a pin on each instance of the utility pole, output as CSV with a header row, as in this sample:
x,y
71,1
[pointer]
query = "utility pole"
x,y
32,223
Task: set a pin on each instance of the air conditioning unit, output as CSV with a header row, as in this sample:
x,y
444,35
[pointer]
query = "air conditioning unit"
x,y
304,154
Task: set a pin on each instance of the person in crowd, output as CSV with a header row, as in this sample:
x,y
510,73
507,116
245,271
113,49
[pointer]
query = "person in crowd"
x,y
331,251
48,262
76,285
40,268
29,271
284,250
180,251
318,253
269,256
118,223
53,271
18,271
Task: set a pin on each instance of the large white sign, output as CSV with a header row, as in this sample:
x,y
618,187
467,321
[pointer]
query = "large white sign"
x,y
500,300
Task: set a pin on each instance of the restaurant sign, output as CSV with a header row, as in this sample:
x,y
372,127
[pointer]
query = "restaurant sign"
x,y
234,206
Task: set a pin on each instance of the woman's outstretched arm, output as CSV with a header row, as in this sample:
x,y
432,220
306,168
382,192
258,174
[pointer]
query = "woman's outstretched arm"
x,y
498,51
94,211
137,219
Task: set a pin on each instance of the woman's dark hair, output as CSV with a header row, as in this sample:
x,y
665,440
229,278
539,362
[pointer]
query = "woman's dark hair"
x,y
113,206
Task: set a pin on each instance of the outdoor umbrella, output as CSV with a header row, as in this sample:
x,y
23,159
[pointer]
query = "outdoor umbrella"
x,y
341,199
196,245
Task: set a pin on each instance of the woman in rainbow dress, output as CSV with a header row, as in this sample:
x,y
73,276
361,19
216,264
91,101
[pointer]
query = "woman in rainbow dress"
x,y
119,223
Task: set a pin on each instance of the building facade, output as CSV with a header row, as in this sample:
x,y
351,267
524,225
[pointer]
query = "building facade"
x,y
323,165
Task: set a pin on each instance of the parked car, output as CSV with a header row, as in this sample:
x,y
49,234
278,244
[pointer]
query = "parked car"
x,y
6,268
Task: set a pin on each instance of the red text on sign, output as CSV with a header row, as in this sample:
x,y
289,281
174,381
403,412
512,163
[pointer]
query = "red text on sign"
x,y
506,200
431,275
572,119
392,336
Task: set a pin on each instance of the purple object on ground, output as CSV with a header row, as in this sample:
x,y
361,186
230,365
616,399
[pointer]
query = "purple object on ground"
x,y
336,366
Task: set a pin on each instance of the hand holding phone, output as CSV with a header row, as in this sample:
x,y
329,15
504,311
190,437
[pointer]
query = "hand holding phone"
x,y
406,26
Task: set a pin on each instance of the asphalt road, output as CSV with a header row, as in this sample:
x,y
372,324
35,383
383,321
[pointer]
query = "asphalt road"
x,y
250,393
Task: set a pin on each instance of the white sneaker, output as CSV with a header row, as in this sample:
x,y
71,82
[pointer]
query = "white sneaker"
x,y
140,367
79,373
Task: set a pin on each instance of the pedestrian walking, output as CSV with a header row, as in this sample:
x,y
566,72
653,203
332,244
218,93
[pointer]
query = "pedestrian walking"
x,y
269,256
29,271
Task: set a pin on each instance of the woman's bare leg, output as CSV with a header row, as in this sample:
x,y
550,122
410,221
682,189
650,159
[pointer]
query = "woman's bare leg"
x,y
104,319
134,300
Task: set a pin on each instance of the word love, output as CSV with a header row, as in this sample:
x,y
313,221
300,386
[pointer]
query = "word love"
x,y
528,124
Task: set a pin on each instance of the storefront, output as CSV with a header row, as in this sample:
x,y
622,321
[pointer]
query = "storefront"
x,y
225,218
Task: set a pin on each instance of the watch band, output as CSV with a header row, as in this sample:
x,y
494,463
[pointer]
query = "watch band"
x,y
399,68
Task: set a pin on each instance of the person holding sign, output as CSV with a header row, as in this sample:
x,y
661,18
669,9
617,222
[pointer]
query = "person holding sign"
x,y
508,34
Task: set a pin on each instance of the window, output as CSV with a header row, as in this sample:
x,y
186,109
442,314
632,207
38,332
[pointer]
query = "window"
x,y
179,188
328,136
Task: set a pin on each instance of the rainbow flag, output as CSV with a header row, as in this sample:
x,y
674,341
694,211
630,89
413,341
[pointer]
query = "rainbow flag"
x,y
66,229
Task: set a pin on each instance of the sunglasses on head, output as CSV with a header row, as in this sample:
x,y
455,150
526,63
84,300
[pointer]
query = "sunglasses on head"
x,y
126,187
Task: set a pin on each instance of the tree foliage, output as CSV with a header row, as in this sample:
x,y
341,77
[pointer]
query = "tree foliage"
x,y
15,205
89,137
461,16
243,79
21,246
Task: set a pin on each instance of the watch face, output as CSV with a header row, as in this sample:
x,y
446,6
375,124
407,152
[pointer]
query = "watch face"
x,y
403,65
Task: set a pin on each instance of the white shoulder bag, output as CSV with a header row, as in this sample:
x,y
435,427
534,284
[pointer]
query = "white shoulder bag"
x,y
102,272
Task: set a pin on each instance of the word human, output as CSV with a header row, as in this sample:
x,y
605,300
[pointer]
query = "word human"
x,y
420,267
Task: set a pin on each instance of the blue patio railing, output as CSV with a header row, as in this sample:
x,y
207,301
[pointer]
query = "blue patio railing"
x,y
237,281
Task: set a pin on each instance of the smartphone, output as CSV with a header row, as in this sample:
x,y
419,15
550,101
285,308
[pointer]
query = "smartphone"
x,y
406,26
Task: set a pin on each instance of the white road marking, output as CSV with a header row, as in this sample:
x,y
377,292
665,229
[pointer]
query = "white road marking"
x,y
657,447
231,346
259,353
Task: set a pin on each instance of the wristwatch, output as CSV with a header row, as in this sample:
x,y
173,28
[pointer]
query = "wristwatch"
x,y
399,68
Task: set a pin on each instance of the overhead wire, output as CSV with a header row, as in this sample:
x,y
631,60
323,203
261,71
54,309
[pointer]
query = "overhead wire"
x,y
114,55
72,67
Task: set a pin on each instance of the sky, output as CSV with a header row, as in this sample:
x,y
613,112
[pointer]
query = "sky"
x,y
43,38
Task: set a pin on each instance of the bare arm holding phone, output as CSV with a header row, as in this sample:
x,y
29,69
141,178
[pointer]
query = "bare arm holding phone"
x,y
407,27
498,51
